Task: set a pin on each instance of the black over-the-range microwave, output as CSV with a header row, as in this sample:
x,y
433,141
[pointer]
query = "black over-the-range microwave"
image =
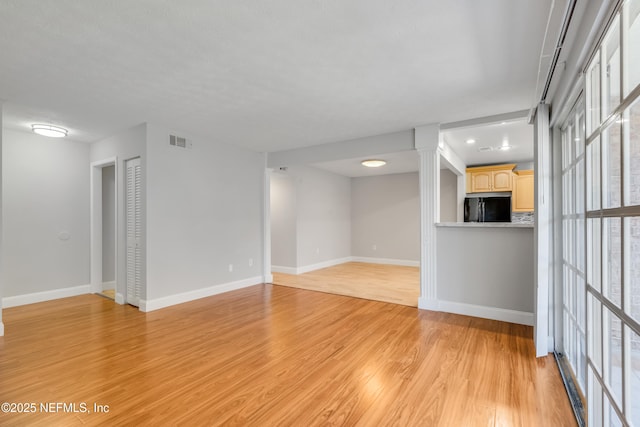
x,y
487,209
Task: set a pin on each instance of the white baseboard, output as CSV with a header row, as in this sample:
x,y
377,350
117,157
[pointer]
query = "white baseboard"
x,y
310,267
484,312
282,269
45,296
158,303
119,298
388,261
1,329
428,304
108,285
324,264
494,313
268,278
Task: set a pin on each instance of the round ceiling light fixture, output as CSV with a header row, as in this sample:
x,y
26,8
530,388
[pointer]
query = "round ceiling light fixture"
x,y
49,130
471,141
373,163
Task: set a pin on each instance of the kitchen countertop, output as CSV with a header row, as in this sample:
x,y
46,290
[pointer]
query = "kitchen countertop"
x,y
485,224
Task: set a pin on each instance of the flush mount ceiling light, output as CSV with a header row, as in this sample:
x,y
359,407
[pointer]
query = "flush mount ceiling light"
x,y
373,163
471,141
49,130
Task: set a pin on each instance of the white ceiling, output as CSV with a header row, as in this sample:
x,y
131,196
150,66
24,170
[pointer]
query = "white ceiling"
x,y
518,134
401,162
270,75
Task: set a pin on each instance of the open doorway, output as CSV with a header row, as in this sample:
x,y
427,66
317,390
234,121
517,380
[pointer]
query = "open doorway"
x,y
104,226
109,232
338,227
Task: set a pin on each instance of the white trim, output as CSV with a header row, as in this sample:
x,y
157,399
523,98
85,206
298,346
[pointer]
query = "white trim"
x,y
95,175
109,285
484,312
285,270
1,329
119,298
266,224
45,296
387,261
158,303
428,304
310,267
321,265
543,229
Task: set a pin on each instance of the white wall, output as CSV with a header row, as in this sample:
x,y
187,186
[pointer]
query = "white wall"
x,y
204,212
448,196
323,204
283,221
108,224
128,144
385,213
45,213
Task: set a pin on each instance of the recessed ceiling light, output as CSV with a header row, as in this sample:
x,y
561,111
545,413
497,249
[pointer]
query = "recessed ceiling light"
x,y
503,123
482,149
471,141
373,163
49,130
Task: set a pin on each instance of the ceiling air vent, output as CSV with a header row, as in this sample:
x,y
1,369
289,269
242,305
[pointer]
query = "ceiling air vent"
x,y
178,141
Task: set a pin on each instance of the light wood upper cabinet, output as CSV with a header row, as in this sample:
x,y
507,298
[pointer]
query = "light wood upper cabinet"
x,y
522,197
481,181
502,180
485,179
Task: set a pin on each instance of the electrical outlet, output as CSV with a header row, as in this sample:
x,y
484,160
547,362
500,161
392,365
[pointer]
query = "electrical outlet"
x,y
250,262
317,251
230,268
374,247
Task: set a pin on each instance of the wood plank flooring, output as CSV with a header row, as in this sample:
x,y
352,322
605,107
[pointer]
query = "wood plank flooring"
x,y
378,282
273,355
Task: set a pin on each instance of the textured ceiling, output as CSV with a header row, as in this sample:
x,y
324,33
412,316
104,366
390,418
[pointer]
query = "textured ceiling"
x,y
266,75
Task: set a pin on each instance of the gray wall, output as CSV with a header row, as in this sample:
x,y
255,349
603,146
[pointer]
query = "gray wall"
x,y
46,213
385,213
490,267
448,196
204,212
283,221
108,224
323,205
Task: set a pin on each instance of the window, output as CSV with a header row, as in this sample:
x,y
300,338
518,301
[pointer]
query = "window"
x,y
573,249
612,224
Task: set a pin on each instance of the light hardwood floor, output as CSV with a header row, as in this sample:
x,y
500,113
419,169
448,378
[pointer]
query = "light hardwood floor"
x,y
378,282
273,355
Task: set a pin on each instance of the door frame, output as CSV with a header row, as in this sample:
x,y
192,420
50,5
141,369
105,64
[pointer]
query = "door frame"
x,y
96,225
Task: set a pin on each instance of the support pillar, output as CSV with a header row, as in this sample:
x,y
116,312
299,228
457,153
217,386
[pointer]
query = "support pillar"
x,y
426,142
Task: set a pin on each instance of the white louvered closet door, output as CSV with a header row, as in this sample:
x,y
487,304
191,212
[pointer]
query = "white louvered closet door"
x,y
134,232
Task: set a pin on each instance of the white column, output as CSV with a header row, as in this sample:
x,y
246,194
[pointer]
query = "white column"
x,y
543,215
426,142
267,276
